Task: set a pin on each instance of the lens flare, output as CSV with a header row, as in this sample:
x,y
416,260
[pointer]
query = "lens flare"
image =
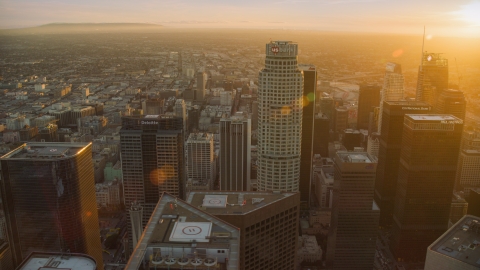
x,y
397,53
305,101
161,175
286,110
311,97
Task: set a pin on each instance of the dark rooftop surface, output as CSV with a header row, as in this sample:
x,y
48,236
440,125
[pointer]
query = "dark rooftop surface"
x,y
461,241
44,150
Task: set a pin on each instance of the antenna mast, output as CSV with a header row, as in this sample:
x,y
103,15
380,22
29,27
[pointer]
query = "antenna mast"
x,y
458,74
423,44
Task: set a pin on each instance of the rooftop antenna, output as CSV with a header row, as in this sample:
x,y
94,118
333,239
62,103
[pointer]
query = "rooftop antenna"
x,y
423,44
458,74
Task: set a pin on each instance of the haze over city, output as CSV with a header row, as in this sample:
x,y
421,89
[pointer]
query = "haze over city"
x,y
240,135
442,17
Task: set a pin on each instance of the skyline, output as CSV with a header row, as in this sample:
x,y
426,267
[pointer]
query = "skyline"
x,y
442,18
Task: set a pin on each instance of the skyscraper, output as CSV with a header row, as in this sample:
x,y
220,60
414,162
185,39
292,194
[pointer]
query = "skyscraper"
x,y
432,78
309,89
340,122
152,160
321,134
452,102
181,112
280,101
468,171
389,153
48,194
393,88
200,158
368,98
353,232
201,84
426,177
268,223
235,151
181,236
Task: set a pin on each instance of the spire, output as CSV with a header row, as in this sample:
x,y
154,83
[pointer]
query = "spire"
x,y
423,43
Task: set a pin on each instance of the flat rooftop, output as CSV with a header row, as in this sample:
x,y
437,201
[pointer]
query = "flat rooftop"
x,y
178,229
45,150
461,241
432,117
355,157
233,203
45,261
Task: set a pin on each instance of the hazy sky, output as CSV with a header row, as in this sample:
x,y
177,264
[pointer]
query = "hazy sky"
x,y
441,17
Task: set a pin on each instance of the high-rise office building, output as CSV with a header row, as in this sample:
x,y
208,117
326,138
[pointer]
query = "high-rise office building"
x,y
340,119
457,248
48,194
470,140
181,236
426,178
268,223
180,110
368,98
373,144
389,153
235,151
254,115
393,88
321,134
353,232
200,159
432,78
351,139
152,156
468,171
309,89
327,106
452,102
280,100
201,85
153,106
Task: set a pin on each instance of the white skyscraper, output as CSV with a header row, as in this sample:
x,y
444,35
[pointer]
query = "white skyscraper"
x,y
181,111
280,102
200,158
393,88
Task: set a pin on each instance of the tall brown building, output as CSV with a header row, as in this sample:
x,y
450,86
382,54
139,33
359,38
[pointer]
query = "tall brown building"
x,y
48,194
426,177
389,153
268,223
368,98
452,102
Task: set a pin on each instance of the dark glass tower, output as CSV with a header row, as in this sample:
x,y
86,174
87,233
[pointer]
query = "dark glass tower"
x,y
452,102
432,78
48,192
152,160
309,89
426,177
321,135
368,98
389,153
353,232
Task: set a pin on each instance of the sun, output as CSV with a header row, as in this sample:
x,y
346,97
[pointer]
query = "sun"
x,y
469,13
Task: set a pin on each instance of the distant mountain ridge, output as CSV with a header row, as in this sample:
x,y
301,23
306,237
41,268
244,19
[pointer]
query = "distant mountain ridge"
x,y
72,28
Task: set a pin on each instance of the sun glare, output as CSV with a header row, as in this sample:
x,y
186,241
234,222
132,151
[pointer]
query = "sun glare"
x,y
469,13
